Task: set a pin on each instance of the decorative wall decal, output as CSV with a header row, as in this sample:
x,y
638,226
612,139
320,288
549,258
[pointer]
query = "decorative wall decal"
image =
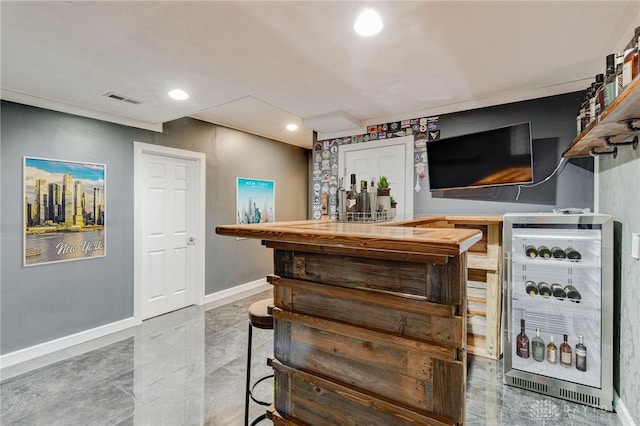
x,y
64,211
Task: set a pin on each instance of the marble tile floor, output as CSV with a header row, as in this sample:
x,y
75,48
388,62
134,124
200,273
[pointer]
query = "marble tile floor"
x,y
188,368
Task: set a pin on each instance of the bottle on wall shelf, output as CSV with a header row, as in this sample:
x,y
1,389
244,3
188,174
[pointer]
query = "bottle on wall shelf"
x,y
352,198
610,81
537,347
566,355
630,65
593,100
552,351
522,342
581,355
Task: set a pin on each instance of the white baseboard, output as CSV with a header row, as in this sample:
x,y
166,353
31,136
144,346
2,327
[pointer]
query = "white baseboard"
x,y
232,294
621,410
32,352
211,301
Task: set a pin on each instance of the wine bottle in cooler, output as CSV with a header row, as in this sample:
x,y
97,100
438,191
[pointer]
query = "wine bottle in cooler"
x,y
537,347
552,351
531,288
572,254
522,342
581,355
566,354
531,251
573,294
558,291
544,290
544,252
558,253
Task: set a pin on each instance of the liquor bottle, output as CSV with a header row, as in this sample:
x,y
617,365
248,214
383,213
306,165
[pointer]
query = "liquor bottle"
x,y
552,351
544,290
582,113
531,251
363,201
537,347
566,356
593,100
572,254
573,294
522,342
581,355
558,253
373,198
341,201
610,81
630,65
587,110
544,252
352,199
531,288
558,291
619,64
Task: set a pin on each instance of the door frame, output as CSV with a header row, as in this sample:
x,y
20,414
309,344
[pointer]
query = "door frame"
x,y
199,183
407,141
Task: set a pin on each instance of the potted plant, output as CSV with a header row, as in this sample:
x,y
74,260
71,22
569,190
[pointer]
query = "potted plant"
x,y
383,186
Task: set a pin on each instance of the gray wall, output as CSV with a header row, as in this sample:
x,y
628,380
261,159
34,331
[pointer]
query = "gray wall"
x,y
619,189
553,128
46,302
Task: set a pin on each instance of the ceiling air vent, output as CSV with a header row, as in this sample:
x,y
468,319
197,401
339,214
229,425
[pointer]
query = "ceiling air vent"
x,y
122,98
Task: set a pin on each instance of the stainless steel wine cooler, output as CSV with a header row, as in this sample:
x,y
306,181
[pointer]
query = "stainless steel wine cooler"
x,y
558,295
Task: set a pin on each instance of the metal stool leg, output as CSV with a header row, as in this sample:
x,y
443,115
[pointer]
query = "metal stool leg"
x,y
248,385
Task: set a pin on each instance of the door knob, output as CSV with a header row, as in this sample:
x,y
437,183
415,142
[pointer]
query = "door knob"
x,y
191,242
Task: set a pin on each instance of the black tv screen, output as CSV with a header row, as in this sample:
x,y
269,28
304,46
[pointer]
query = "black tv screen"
x,y
500,156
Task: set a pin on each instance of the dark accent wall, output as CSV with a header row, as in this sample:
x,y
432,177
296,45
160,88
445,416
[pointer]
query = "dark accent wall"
x,y
553,128
46,302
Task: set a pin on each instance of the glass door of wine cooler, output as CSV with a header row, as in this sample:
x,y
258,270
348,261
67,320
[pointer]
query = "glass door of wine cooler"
x,y
558,304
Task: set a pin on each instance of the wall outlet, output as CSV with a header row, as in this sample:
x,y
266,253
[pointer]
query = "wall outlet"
x,y
635,246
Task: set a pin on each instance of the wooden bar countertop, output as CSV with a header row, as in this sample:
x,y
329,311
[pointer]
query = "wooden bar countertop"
x,y
400,236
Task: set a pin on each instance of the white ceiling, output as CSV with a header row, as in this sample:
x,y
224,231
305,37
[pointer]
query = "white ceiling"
x,y
258,65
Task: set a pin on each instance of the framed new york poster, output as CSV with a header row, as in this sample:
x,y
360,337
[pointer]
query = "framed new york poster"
x,y
255,201
64,210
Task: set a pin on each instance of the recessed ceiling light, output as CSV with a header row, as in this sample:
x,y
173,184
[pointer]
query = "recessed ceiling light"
x,y
178,94
368,23
291,127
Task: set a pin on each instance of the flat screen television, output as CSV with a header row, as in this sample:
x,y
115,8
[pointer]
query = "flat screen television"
x,y
500,156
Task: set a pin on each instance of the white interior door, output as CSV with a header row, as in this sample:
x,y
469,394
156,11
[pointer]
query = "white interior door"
x,y
167,212
392,158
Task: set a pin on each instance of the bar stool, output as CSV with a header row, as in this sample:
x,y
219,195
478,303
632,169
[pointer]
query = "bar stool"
x,y
259,317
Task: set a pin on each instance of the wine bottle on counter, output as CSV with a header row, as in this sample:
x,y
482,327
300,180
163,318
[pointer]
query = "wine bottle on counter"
x,y
531,251
573,294
363,201
522,342
552,351
566,355
544,290
558,253
537,347
572,254
581,355
531,288
544,252
352,198
341,207
558,291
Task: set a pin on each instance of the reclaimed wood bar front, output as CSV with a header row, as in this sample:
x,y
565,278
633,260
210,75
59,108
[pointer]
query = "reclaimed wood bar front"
x,y
370,321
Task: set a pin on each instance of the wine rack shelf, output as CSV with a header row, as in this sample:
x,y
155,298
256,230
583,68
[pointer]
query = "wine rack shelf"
x,y
619,123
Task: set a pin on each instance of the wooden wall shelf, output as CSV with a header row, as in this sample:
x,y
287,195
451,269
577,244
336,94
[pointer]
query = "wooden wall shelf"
x,y
609,124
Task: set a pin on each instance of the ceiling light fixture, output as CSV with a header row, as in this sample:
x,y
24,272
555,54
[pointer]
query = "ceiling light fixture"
x,y
178,94
368,23
292,127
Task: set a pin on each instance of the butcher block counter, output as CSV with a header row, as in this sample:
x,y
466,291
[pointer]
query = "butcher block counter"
x,y
369,321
